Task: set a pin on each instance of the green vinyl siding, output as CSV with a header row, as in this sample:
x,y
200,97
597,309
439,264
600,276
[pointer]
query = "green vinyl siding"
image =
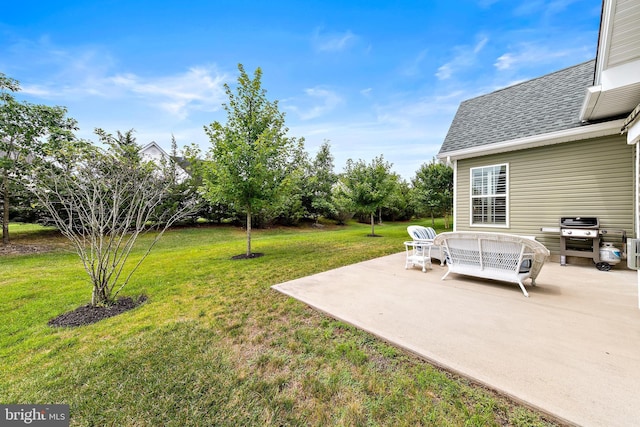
x,y
584,178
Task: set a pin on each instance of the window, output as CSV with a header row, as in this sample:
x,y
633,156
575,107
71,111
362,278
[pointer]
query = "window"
x,y
489,195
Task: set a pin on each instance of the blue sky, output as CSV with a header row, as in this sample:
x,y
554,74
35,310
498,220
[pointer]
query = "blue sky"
x,y
372,77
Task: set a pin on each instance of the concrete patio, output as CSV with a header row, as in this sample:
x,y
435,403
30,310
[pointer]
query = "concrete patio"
x,y
572,349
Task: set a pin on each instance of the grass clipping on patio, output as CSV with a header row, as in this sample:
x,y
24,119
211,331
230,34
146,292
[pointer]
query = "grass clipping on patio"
x,y
214,344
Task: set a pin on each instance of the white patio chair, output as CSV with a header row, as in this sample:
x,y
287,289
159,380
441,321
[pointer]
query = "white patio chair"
x,y
425,235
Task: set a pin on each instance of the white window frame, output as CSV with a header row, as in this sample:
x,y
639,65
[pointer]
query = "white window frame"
x,y
487,194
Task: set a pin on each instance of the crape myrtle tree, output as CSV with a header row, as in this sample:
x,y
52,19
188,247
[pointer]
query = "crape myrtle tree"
x,y
25,130
103,199
433,190
368,186
251,154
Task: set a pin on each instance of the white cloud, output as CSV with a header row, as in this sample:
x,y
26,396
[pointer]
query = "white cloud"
x,y
35,90
333,42
405,144
444,72
323,101
480,45
413,68
534,54
366,92
543,8
465,57
414,113
407,131
67,72
200,88
505,61
84,73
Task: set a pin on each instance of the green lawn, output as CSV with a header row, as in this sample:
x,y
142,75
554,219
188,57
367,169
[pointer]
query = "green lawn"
x,y
214,345
19,231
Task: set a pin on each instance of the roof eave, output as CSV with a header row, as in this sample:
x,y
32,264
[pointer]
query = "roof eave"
x,y
574,134
153,144
604,39
590,102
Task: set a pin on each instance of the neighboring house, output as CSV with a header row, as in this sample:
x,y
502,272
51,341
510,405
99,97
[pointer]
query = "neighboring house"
x,y
152,151
527,155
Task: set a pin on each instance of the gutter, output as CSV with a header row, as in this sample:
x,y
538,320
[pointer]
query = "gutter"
x,y
567,135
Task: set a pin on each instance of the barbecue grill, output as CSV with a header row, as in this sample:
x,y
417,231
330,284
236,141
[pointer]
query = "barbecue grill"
x,y
582,237
579,237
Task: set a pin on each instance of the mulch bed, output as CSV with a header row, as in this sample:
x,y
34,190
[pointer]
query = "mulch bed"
x,y
88,314
245,256
22,249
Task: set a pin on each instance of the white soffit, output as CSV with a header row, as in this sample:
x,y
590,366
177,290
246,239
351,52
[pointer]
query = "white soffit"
x,y
616,101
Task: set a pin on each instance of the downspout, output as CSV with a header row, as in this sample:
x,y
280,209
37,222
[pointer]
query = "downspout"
x,y
636,209
631,127
454,166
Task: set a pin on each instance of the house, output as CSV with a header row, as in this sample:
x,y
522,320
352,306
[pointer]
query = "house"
x,y
152,151
552,147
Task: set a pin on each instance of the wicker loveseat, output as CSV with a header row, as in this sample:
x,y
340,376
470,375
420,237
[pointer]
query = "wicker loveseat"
x,y
497,256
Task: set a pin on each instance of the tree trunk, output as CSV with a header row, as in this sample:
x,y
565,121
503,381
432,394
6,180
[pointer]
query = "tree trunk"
x,y
5,210
373,222
100,296
248,232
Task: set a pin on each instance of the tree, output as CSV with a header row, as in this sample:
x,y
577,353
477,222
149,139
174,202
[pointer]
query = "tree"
x,y
398,206
183,172
343,205
288,207
251,154
24,130
317,181
189,158
103,200
322,178
433,189
368,186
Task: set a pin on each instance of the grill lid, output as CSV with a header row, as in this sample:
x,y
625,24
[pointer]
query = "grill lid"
x,y
579,222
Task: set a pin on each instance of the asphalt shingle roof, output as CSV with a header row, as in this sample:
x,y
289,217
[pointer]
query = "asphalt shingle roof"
x,y
546,104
